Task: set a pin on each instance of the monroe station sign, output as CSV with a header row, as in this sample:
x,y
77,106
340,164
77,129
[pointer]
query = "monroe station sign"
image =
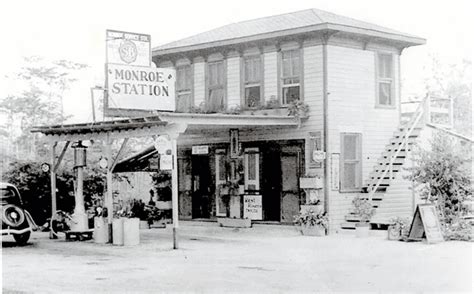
x,y
133,82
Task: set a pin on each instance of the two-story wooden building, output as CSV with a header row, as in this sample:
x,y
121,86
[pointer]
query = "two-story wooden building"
x,y
346,71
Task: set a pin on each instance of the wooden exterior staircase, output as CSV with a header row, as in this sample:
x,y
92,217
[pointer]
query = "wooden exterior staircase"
x,y
386,187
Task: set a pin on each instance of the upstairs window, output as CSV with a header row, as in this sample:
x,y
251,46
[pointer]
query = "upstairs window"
x,y
290,76
216,86
385,95
252,81
184,88
351,164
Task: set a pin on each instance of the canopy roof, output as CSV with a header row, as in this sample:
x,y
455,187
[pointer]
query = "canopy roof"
x,y
304,21
160,123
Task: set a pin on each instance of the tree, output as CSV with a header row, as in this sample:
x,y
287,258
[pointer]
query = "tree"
x,y
41,100
444,174
454,81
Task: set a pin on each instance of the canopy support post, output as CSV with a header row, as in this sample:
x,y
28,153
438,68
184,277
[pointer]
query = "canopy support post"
x,y
109,202
53,187
174,190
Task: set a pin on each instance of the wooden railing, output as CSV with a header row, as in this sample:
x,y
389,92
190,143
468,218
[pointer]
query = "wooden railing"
x,y
420,111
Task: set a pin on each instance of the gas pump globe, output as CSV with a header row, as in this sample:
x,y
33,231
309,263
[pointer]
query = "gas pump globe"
x,y
80,222
80,157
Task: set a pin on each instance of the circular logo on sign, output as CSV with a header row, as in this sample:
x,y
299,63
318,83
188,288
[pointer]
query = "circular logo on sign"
x,y
128,51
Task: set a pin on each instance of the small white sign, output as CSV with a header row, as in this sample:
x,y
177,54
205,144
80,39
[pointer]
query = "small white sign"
x,y
128,48
166,162
253,207
141,88
319,156
200,150
162,144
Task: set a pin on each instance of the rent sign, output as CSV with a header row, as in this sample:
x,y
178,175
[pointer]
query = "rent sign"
x,y
137,87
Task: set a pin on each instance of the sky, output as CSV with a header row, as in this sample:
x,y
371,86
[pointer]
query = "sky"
x,y
75,30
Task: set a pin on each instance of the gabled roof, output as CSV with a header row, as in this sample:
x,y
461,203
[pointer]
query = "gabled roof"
x,y
295,22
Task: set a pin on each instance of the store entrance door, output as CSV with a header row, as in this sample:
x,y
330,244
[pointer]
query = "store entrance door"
x,y
271,186
201,197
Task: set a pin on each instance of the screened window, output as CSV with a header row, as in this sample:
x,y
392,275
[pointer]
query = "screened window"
x,y
385,80
290,75
351,165
252,81
184,88
216,80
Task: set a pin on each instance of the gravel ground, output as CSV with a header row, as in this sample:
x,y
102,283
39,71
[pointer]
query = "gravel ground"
x,y
265,258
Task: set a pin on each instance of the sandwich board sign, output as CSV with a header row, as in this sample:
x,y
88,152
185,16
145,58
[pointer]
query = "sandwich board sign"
x,y
426,224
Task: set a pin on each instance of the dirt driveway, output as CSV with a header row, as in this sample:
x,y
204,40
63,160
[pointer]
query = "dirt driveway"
x,y
211,259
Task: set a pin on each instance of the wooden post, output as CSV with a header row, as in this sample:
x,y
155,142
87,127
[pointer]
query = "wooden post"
x,y
174,190
109,201
53,187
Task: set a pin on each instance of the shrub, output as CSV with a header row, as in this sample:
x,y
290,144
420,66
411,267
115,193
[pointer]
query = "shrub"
x,y
363,208
444,174
311,218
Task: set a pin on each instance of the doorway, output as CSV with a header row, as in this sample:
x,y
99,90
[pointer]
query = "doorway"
x,y
201,195
271,183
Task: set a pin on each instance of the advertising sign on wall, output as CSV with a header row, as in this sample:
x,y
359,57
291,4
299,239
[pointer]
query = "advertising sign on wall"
x,y
143,88
128,48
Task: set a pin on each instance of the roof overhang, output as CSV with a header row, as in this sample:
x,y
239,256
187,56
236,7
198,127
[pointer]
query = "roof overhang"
x,y
161,123
402,39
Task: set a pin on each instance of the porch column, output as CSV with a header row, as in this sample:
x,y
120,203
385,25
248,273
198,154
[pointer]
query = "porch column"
x,y
174,190
53,186
109,203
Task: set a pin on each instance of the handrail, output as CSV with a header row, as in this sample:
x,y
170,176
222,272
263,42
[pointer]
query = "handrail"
x,y
413,121
462,137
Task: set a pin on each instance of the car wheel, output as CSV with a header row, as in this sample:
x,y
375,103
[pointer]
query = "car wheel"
x,y
22,239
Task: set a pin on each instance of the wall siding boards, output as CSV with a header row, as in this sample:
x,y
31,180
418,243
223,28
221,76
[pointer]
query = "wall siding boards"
x,y
270,75
233,82
351,87
199,83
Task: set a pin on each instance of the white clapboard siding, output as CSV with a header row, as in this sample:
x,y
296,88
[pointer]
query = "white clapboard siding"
x,y
270,75
199,83
233,82
351,108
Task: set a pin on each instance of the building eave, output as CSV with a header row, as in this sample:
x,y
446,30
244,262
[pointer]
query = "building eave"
x,y
404,40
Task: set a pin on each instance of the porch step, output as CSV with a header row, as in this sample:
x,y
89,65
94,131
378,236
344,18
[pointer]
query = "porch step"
x,y
415,133
402,154
348,225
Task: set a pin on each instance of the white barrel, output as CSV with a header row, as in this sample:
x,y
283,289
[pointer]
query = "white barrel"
x,y
101,230
131,231
117,231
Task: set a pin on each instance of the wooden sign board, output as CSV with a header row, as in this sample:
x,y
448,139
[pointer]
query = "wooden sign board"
x,y
253,207
426,224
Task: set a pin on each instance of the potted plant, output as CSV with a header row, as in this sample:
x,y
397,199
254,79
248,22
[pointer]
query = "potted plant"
x,y
298,109
398,228
126,225
312,223
365,211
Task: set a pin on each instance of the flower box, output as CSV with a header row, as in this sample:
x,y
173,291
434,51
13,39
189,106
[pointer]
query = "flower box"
x,y
308,230
234,222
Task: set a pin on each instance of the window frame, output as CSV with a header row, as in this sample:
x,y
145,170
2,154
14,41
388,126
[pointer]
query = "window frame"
x,y
185,91
358,161
223,86
281,78
259,84
384,80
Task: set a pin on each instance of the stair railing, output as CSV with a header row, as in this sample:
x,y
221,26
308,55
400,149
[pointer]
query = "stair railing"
x,y
420,111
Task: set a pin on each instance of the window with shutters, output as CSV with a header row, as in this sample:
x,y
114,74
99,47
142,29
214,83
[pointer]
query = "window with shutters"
x,y
290,75
216,86
184,99
351,165
385,81
252,81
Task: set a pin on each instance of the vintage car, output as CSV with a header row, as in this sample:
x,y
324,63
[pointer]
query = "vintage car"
x,y
15,220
